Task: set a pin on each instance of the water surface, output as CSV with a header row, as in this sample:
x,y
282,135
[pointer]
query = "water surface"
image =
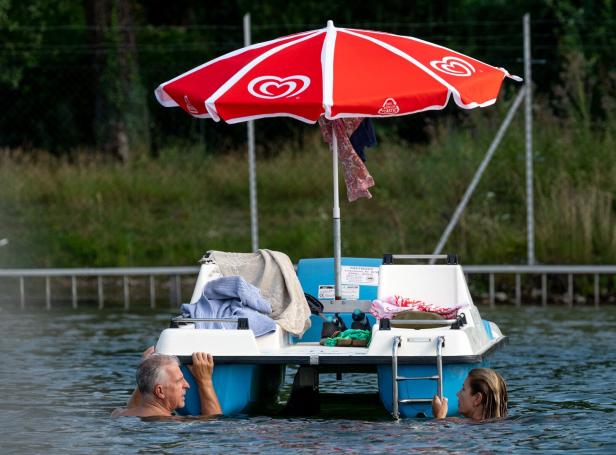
x,y
63,372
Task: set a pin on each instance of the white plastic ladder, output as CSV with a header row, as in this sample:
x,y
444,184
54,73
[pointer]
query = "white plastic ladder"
x,y
397,340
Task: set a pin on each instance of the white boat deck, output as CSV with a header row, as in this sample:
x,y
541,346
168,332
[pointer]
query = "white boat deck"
x,y
444,285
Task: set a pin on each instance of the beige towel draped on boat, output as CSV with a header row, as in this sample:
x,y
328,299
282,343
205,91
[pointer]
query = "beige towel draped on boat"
x,y
273,273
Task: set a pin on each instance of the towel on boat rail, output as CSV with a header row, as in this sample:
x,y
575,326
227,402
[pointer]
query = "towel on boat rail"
x,y
273,273
231,297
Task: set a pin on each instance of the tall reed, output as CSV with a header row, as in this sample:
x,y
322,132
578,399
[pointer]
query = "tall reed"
x,y
85,210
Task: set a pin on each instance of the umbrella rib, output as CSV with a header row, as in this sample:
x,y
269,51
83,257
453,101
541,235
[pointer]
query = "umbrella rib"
x,y
270,115
229,83
327,67
164,99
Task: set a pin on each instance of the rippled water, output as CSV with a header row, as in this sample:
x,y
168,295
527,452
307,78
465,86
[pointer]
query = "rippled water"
x,y
62,373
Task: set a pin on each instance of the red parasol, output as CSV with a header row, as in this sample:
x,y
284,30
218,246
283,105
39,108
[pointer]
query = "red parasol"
x,y
333,72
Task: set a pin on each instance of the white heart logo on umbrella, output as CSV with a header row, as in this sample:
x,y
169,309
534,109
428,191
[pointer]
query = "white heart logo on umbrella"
x,y
274,87
453,66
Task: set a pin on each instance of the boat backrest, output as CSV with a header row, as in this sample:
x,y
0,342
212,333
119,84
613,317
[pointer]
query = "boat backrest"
x,y
209,271
437,285
359,281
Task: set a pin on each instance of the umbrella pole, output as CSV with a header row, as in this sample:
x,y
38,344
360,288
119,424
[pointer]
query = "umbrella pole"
x,y
336,216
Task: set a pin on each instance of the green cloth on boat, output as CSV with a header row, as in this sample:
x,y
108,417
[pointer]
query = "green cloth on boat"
x,y
351,334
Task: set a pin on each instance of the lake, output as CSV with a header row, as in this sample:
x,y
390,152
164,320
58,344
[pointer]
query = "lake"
x,y
64,371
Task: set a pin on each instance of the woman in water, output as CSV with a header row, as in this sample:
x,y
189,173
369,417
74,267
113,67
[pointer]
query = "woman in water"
x,y
483,396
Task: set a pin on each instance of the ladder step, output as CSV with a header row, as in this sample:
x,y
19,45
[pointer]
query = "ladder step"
x,y
415,400
416,378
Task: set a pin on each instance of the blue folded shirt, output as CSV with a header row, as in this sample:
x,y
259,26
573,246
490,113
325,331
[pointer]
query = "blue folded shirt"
x,y
231,297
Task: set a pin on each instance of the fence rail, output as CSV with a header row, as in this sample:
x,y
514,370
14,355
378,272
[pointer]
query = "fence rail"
x,y
544,271
175,274
104,271
125,273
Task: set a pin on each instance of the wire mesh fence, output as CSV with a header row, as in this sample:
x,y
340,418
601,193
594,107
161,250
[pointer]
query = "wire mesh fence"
x,y
62,91
65,84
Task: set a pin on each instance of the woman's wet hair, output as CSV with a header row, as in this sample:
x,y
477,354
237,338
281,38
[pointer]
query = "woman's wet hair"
x,y
151,371
493,389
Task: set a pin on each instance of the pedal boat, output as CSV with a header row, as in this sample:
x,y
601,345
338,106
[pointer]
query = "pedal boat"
x,y
413,359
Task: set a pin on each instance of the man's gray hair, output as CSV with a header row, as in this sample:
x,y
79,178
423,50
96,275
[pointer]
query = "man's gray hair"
x,y
151,371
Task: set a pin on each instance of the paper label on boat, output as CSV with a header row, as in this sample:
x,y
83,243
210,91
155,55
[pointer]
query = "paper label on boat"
x,y
357,274
349,291
327,291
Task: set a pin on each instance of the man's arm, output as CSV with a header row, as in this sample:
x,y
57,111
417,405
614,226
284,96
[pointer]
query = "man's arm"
x,y
202,369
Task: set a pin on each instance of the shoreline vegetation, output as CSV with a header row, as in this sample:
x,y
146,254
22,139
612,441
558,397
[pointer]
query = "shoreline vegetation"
x,y
85,210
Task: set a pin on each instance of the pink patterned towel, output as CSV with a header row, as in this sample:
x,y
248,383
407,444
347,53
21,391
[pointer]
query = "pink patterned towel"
x,y
389,306
356,175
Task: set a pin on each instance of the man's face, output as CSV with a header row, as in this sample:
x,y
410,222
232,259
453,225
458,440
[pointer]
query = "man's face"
x,y
174,387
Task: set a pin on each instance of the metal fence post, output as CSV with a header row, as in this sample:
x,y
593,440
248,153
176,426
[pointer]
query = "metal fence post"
x,y
597,290
528,127
47,293
126,292
101,296
74,291
22,293
518,290
570,290
152,292
544,289
492,298
252,173
178,290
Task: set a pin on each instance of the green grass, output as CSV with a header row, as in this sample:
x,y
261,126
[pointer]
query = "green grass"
x,y
88,211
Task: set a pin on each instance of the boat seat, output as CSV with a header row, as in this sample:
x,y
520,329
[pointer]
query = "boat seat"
x,y
416,316
316,276
441,286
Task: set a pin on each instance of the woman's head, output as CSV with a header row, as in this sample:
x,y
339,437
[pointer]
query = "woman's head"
x,y
483,395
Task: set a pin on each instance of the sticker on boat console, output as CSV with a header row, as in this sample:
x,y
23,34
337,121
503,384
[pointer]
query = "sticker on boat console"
x,y
357,274
349,291
327,291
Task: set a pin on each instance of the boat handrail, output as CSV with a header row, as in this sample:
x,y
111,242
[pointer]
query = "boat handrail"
x,y
388,258
419,256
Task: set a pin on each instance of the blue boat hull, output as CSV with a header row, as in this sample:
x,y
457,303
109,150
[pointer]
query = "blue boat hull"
x,y
238,387
248,383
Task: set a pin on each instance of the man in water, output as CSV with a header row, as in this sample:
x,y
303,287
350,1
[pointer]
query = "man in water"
x,y
161,386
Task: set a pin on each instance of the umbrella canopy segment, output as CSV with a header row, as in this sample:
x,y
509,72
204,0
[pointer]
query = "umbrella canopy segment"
x,y
335,72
